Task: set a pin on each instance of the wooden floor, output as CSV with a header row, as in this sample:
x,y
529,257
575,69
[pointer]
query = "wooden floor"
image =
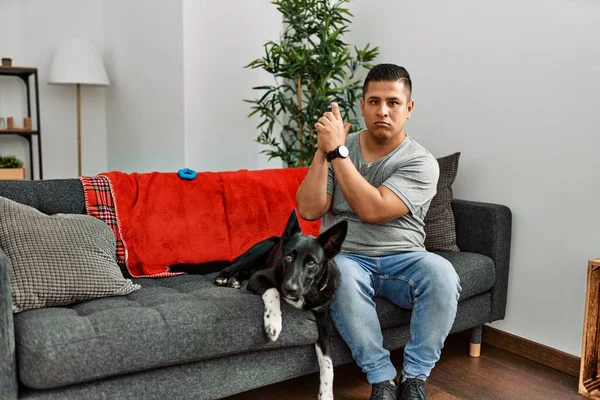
x,y
497,374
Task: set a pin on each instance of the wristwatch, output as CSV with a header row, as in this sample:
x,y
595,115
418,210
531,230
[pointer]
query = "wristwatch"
x,y
340,152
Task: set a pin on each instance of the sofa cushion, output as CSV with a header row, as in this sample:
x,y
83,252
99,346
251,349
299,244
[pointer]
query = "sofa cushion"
x,y
477,275
50,196
169,321
477,272
176,320
440,228
58,259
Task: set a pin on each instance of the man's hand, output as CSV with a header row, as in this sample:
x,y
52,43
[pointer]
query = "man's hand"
x,y
331,130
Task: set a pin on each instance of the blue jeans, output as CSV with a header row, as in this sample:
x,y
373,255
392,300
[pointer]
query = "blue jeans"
x,y
417,280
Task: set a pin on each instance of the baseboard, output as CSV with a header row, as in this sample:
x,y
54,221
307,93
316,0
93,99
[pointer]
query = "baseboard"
x,y
531,350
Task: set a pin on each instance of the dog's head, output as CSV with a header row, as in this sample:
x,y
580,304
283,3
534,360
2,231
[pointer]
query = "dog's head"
x,y
305,258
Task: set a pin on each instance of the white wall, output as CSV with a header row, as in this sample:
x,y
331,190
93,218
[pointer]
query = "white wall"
x,y
218,134
30,30
513,85
144,60
159,113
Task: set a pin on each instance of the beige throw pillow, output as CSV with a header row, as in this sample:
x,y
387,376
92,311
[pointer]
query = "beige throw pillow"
x,y
58,259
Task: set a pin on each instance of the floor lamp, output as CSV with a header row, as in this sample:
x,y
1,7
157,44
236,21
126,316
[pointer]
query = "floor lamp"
x,y
78,62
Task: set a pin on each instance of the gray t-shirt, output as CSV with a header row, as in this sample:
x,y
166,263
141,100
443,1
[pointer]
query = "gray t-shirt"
x,y
411,172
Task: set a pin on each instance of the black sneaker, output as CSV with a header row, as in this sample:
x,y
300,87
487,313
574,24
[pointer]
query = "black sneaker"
x,y
411,389
383,391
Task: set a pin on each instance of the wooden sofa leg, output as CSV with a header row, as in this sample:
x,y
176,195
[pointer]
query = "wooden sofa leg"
x,y
475,344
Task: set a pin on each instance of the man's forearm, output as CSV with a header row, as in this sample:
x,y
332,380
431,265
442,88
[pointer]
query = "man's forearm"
x,y
364,199
312,193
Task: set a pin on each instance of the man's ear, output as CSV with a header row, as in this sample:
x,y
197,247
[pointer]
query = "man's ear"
x,y
333,238
292,227
410,106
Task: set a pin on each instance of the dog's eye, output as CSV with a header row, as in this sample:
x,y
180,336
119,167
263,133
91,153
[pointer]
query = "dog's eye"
x,y
288,258
311,264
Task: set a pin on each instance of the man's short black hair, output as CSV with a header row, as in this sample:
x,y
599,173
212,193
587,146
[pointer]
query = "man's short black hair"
x,y
389,73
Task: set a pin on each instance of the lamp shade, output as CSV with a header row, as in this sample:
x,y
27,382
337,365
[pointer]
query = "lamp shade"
x,y
77,61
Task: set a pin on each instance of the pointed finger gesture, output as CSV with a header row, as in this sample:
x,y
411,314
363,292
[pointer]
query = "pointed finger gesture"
x,y
331,129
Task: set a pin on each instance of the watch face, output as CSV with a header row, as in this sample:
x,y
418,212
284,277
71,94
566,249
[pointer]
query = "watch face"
x,y
344,151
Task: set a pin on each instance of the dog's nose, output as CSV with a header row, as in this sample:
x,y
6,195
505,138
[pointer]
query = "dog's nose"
x,y
291,288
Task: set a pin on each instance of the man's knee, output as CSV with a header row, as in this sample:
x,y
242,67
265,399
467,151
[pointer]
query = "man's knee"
x,y
442,277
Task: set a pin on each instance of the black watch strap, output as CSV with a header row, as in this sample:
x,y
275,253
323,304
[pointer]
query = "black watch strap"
x,y
333,154
341,151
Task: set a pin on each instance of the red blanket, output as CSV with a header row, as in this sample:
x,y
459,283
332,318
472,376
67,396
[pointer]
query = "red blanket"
x,y
165,220
259,203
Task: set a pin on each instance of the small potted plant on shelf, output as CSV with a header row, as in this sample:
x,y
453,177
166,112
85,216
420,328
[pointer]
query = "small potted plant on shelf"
x,y
11,168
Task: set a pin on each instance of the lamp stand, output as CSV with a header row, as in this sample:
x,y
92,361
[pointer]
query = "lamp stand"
x,y
79,129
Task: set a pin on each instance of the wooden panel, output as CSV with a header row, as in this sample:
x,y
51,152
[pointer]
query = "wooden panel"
x,y
20,131
531,350
12,174
589,381
15,70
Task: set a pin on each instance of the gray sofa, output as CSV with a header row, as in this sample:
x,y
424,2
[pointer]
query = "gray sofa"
x,y
184,338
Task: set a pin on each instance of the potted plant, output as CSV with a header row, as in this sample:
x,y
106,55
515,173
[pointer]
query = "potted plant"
x,y
11,168
312,67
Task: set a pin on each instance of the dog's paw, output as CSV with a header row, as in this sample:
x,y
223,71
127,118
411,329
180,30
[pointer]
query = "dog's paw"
x,y
221,279
272,314
233,283
272,325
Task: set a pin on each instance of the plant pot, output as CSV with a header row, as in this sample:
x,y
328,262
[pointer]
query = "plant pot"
x,y
12,174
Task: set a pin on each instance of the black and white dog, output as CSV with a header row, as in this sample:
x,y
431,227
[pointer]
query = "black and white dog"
x,y
298,268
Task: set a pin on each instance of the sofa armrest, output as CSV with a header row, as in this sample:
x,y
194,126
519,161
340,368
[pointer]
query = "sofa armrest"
x,y
8,363
486,228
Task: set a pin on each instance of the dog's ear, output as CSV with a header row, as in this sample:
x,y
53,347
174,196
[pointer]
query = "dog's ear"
x,y
292,227
333,238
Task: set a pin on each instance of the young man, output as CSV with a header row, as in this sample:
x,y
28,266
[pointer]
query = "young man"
x,y
382,181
